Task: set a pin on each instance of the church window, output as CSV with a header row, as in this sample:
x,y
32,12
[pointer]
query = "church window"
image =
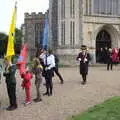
x,y
105,7
96,6
63,33
109,7
119,8
37,34
102,6
115,2
72,33
72,8
63,9
90,7
87,5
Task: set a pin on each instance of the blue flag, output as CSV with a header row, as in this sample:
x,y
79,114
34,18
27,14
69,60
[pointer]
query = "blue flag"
x,y
45,34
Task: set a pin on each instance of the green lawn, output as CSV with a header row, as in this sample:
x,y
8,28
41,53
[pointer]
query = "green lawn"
x,y
109,110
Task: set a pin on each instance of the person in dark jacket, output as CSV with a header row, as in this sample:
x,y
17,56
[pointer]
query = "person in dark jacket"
x,y
9,74
101,55
56,69
118,55
105,50
109,59
84,58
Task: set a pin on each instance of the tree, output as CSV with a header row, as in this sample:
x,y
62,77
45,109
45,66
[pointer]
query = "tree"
x,y
18,40
3,43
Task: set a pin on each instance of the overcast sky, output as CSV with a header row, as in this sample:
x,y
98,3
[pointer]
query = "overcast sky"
x,y
6,8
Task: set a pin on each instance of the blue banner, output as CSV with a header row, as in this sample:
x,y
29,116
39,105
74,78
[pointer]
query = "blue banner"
x,y
45,34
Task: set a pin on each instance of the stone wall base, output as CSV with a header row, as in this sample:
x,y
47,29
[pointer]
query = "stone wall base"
x,y
68,56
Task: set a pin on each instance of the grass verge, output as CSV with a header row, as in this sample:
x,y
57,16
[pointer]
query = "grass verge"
x,y
109,110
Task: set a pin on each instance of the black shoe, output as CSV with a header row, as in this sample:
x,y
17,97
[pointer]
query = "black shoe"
x,y
45,94
44,84
9,107
49,94
62,81
12,108
83,82
38,100
35,99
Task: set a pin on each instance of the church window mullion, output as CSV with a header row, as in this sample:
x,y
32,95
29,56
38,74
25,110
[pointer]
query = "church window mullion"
x,y
71,33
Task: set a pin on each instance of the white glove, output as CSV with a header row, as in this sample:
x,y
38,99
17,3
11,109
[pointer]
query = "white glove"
x,y
49,68
86,60
46,68
79,59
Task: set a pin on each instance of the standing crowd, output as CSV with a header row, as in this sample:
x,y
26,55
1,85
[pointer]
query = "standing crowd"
x,y
109,56
45,65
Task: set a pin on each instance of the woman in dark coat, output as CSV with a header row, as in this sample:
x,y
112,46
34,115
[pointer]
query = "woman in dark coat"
x,y
84,58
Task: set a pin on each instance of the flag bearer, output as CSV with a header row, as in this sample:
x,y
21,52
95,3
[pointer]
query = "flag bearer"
x,y
9,74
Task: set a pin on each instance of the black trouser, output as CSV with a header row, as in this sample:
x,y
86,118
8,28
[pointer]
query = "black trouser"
x,y
49,84
55,69
0,78
84,77
109,65
11,89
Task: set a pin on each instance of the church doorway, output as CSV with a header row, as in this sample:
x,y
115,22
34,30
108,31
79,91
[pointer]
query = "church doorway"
x,y
103,40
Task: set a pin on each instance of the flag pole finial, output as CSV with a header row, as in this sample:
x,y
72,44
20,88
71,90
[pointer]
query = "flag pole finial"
x,y
16,2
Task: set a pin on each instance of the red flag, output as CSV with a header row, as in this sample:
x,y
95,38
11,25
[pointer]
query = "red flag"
x,y
22,60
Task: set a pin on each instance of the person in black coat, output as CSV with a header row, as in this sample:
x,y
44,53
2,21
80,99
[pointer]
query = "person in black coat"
x,y
109,59
56,70
84,58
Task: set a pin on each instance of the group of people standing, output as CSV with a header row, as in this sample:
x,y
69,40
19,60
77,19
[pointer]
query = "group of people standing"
x,y
45,64
109,56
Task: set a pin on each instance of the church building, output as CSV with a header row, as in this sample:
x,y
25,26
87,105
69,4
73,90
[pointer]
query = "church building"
x,y
72,23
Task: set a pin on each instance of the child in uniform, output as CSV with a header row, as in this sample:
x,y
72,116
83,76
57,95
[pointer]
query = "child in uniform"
x,y
26,83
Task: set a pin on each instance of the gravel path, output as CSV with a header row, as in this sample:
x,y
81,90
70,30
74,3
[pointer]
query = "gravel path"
x,y
68,99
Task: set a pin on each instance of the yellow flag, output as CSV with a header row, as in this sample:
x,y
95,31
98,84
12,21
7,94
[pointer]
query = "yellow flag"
x,y
10,45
